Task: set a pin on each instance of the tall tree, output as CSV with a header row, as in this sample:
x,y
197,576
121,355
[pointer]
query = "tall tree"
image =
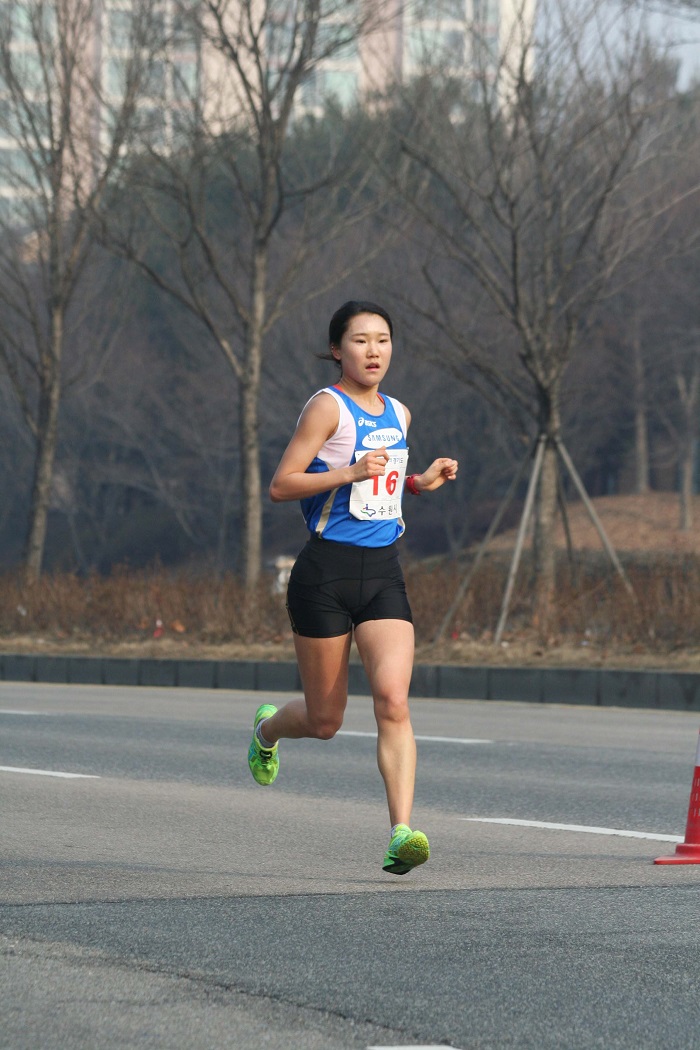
x,y
674,333
231,220
682,8
532,188
64,139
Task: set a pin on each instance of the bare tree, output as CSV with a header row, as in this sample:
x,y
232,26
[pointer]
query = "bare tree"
x,y
641,409
616,389
254,194
674,334
688,384
63,141
540,186
689,9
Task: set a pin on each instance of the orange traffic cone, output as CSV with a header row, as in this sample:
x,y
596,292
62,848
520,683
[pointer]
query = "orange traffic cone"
x,y
688,851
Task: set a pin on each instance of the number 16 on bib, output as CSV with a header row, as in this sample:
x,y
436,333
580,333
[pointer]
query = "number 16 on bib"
x,y
376,499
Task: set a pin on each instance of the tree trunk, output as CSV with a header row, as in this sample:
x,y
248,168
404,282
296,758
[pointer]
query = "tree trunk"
x,y
641,426
250,431
251,547
686,485
689,391
544,549
47,436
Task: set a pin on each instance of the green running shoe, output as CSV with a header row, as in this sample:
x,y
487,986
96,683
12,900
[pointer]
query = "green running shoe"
x,y
264,764
407,850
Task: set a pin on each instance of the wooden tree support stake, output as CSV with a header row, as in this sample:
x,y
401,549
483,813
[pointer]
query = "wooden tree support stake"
x,y
524,522
539,447
610,550
493,527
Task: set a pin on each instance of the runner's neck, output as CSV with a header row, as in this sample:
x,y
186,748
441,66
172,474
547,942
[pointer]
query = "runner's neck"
x,y
363,401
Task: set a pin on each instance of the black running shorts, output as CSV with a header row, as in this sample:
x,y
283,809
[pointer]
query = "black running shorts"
x,y
335,586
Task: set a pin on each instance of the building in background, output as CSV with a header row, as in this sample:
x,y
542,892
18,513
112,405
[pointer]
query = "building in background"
x,y
469,39
104,44
173,81
473,40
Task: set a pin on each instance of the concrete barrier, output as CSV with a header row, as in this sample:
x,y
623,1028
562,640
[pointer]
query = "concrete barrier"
x,y
601,687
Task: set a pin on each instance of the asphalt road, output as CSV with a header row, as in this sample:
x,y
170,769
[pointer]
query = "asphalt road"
x,y
162,899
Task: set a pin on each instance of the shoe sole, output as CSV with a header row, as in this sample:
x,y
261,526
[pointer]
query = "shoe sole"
x,y
414,851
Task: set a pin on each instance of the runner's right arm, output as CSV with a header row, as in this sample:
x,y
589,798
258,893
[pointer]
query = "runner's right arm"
x,y
317,424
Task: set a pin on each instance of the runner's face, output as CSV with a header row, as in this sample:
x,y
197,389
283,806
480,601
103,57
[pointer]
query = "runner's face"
x,y
365,349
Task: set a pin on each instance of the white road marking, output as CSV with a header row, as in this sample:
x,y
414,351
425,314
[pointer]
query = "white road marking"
x,y
434,739
49,773
44,714
410,1046
575,827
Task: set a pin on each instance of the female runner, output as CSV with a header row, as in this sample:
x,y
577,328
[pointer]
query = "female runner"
x,y
347,464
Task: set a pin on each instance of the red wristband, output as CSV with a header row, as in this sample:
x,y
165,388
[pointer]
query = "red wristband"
x,y
411,484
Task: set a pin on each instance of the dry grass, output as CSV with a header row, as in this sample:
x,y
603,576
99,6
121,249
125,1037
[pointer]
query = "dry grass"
x,y
596,622
130,606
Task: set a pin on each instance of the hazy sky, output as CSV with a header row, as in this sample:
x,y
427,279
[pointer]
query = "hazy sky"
x,y
684,35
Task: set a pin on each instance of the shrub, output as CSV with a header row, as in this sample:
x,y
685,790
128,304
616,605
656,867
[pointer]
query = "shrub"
x,y
592,606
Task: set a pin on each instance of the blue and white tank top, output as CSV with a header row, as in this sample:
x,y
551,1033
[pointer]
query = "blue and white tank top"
x,y
367,513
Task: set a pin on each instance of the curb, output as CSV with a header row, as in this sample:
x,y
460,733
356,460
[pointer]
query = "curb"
x,y
667,690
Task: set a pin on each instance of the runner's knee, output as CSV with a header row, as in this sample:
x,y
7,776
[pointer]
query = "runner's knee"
x,y
391,705
324,727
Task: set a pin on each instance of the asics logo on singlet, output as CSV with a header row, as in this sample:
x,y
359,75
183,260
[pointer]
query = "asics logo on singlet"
x,y
362,422
390,436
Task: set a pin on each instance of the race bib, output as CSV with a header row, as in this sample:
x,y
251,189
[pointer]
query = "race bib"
x,y
379,499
